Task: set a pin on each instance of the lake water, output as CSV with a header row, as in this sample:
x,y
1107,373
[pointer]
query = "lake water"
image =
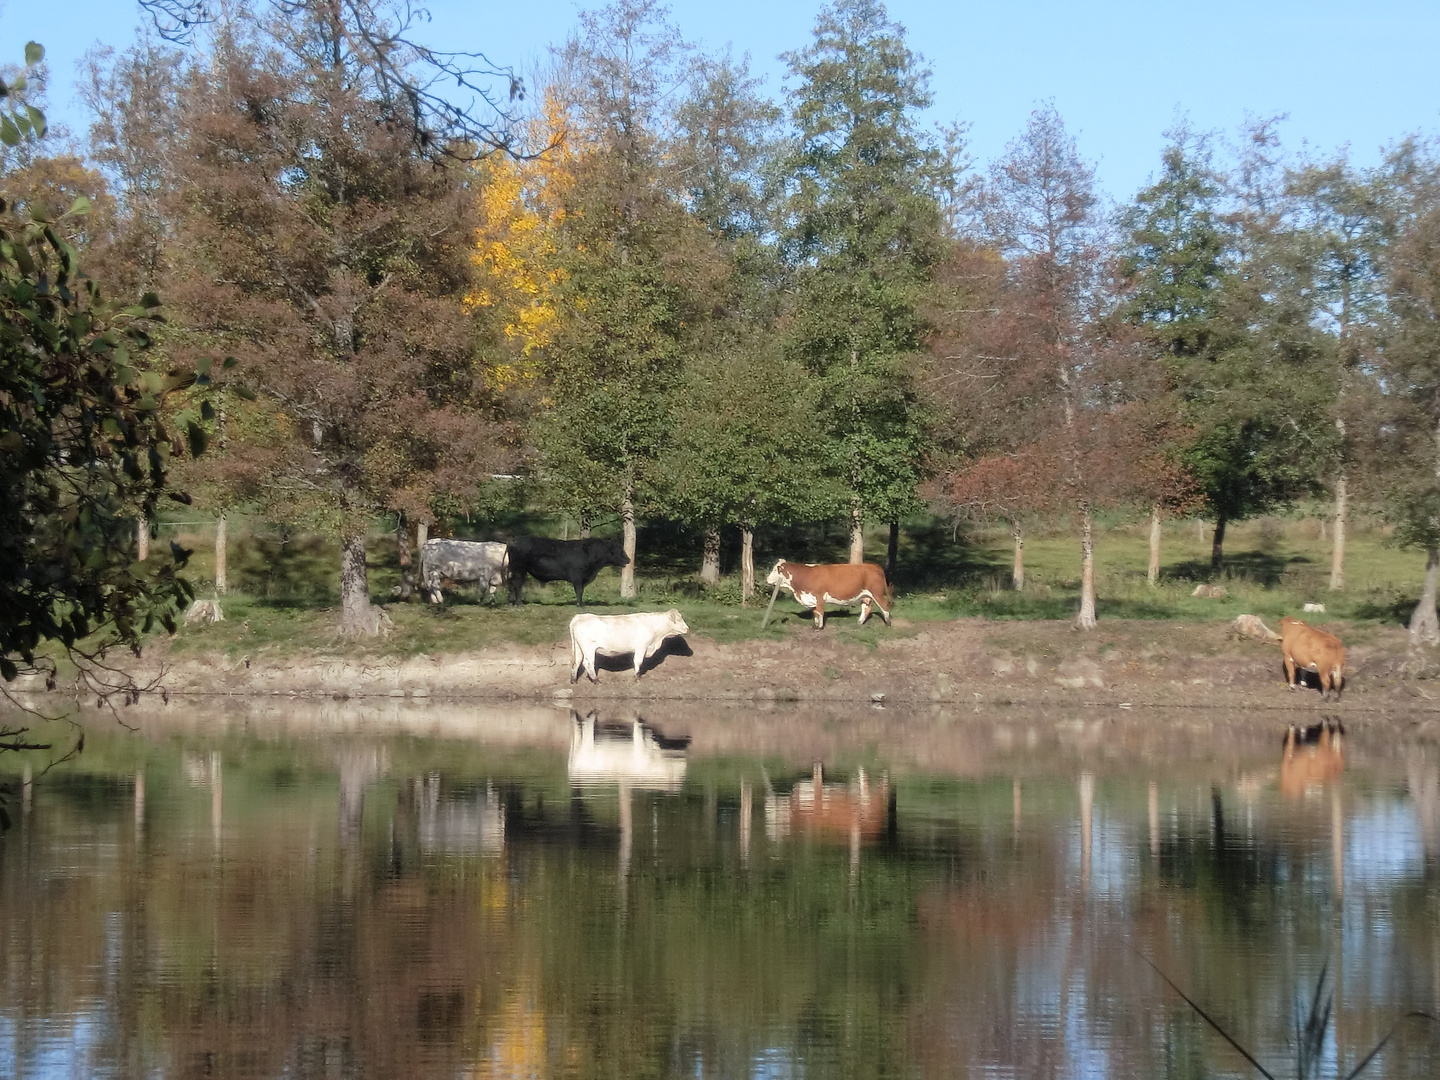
x,y
392,890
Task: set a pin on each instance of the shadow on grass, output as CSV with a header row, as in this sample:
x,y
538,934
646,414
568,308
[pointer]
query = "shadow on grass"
x,y
930,557
1394,612
1262,567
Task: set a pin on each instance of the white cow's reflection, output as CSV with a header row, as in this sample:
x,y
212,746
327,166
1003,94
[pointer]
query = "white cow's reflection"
x,y
632,754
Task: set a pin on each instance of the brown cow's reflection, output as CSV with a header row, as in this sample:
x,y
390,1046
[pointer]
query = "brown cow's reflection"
x,y
1313,757
836,811
853,812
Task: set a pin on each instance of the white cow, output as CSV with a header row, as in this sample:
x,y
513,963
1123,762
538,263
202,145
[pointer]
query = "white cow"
x,y
640,634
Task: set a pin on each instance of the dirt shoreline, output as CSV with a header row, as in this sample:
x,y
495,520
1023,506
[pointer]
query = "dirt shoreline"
x,y
1124,663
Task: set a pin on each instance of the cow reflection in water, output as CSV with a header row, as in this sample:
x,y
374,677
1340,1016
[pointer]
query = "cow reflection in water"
x,y
1314,757
468,825
631,754
855,812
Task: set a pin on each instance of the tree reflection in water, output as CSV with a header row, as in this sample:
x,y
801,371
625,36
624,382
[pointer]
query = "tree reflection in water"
x,y
561,895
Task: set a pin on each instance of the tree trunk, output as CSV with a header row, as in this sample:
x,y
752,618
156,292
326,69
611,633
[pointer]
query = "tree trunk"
x,y
584,526
627,534
222,579
747,564
1086,619
1017,572
1425,622
857,534
357,617
422,535
1217,544
407,562
710,562
1152,575
142,539
1337,548
892,551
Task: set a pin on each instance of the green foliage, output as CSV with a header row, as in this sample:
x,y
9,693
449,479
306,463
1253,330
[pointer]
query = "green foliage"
x,y
864,231
627,259
1173,261
1232,304
746,447
83,453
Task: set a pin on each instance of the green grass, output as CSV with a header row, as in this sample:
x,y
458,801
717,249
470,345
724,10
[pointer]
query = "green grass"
x,y
287,593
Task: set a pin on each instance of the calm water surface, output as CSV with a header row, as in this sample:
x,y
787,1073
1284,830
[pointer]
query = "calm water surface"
x,y
402,891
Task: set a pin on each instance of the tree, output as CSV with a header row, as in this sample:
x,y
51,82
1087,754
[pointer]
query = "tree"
x,y
448,103
1340,217
323,248
746,449
864,232
1173,264
83,446
627,266
1408,367
740,452
976,381
1092,418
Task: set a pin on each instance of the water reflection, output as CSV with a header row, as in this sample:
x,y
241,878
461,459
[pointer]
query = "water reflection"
x,y
548,894
1314,758
628,753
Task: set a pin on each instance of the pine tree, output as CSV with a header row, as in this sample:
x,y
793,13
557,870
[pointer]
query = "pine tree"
x,y
864,231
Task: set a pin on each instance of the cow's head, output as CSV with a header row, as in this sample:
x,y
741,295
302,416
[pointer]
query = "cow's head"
x,y
677,622
612,553
780,575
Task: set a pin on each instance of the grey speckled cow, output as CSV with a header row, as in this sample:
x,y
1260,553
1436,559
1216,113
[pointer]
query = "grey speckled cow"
x,y
484,562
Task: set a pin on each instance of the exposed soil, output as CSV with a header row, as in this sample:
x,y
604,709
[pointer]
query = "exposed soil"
x,y
1122,664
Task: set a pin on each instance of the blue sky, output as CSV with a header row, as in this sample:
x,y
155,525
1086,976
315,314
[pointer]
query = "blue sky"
x,y
1356,74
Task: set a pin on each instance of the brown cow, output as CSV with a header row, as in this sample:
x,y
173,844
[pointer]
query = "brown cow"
x,y
1303,646
813,584
1313,757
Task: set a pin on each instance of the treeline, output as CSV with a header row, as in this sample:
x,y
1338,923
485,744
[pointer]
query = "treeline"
x,y
646,288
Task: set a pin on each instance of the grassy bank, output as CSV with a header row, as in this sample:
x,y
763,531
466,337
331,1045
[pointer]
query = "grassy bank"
x,y
289,597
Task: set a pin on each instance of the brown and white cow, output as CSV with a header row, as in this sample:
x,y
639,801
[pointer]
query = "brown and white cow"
x,y
1304,647
1313,757
816,584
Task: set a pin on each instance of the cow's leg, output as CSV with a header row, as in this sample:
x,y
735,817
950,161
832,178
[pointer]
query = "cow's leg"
x,y
579,583
864,611
517,584
820,613
577,659
590,671
1290,671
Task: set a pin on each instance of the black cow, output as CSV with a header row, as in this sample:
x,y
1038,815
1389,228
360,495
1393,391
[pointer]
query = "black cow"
x,y
575,561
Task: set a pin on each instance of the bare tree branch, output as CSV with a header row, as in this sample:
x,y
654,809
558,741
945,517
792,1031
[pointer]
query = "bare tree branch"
x,y
456,103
